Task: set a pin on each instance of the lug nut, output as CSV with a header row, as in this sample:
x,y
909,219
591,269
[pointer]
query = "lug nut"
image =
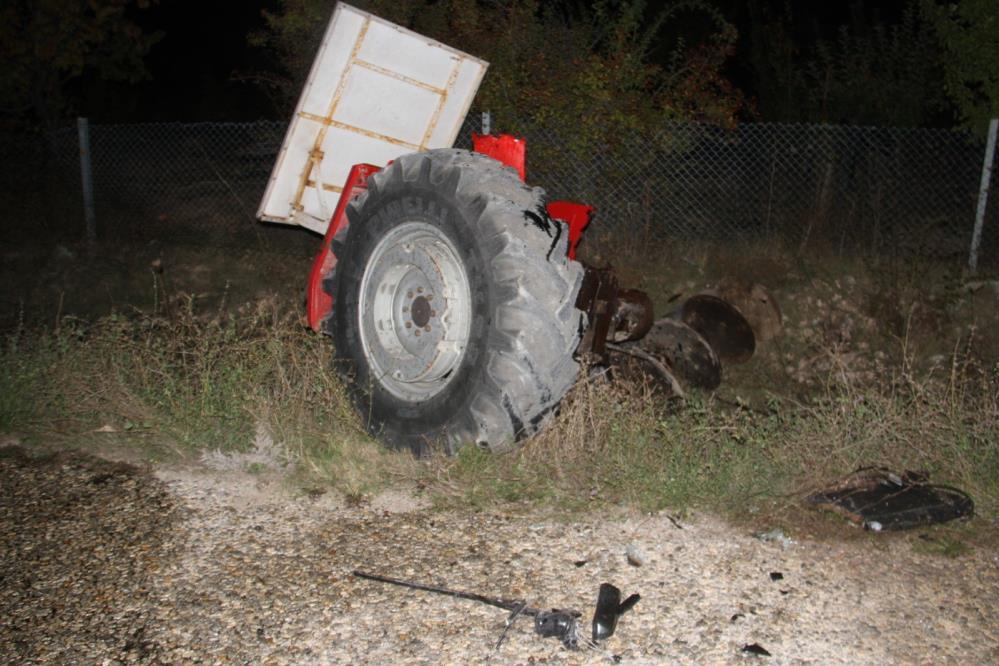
x,y
409,294
419,290
426,328
405,308
409,324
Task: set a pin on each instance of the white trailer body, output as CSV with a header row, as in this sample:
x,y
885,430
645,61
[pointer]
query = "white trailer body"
x,y
376,91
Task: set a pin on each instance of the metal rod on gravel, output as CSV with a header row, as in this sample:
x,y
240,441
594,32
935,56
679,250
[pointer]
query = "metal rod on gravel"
x,y
499,602
554,623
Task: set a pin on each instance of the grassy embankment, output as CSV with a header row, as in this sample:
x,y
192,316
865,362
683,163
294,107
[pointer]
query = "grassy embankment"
x,y
876,366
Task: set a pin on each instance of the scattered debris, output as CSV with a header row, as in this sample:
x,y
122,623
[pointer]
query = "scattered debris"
x,y
579,563
757,649
636,557
775,535
554,623
879,499
776,576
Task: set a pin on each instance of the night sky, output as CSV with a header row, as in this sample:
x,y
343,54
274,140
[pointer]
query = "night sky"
x,y
195,70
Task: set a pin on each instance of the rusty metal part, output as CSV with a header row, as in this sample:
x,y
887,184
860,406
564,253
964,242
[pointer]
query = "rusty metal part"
x,y
613,314
632,317
722,325
755,303
596,298
689,357
631,362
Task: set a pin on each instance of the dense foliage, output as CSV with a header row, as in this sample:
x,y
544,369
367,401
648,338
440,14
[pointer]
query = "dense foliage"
x,y
551,64
48,46
968,34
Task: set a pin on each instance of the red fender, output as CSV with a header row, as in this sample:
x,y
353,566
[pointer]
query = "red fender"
x,y
318,303
576,215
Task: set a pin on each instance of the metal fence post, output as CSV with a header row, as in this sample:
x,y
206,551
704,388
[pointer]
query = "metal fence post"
x,y
86,178
983,195
487,122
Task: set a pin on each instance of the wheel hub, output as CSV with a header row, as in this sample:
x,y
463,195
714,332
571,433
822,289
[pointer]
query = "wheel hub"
x,y
421,311
415,311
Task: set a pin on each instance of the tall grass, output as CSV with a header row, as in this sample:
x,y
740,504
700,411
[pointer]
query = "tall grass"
x,y
616,444
176,382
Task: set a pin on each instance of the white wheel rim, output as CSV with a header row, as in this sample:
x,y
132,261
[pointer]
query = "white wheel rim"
x,y
414,311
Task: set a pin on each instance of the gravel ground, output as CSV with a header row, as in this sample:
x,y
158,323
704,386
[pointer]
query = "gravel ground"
x,y
102,562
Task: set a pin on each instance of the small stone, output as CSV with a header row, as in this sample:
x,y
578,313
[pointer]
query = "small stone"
x,y
636,557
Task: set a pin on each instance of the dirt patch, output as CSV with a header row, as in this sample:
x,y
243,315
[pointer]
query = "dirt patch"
x,y
101,561
83,541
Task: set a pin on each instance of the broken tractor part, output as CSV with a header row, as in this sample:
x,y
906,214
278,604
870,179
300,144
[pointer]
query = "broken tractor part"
x,y
435,343
609,609
722,325
555,623
613,314
687,353
879,499
755,303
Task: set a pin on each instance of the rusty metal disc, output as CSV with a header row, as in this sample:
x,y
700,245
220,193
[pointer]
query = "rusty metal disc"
x,y
755,303
720,323
685,352
633,364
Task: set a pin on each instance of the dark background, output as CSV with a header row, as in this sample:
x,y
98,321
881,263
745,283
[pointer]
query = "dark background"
x,y
202,67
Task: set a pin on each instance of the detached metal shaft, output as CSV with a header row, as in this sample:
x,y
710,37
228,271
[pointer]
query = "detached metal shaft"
x,y
499,602
554,623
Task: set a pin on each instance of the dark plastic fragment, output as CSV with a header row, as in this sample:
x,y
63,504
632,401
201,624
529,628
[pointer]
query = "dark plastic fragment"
x,y
609,609
757,649
555,624
879,500
776,575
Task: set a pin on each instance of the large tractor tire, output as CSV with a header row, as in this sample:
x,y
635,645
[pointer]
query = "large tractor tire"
x,y
454,312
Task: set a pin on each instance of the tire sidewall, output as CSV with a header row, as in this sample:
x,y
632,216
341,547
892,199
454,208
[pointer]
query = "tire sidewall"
x,y
415,425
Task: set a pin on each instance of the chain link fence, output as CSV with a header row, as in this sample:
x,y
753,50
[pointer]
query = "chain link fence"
x,y
847,189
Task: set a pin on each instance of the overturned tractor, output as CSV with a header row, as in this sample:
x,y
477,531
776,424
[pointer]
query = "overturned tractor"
x,y
450,288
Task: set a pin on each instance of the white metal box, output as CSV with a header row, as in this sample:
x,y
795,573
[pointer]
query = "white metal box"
x,y
376,91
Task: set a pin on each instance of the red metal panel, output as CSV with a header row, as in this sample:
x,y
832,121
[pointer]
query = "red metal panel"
x,y
317,302
576,215
509,150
